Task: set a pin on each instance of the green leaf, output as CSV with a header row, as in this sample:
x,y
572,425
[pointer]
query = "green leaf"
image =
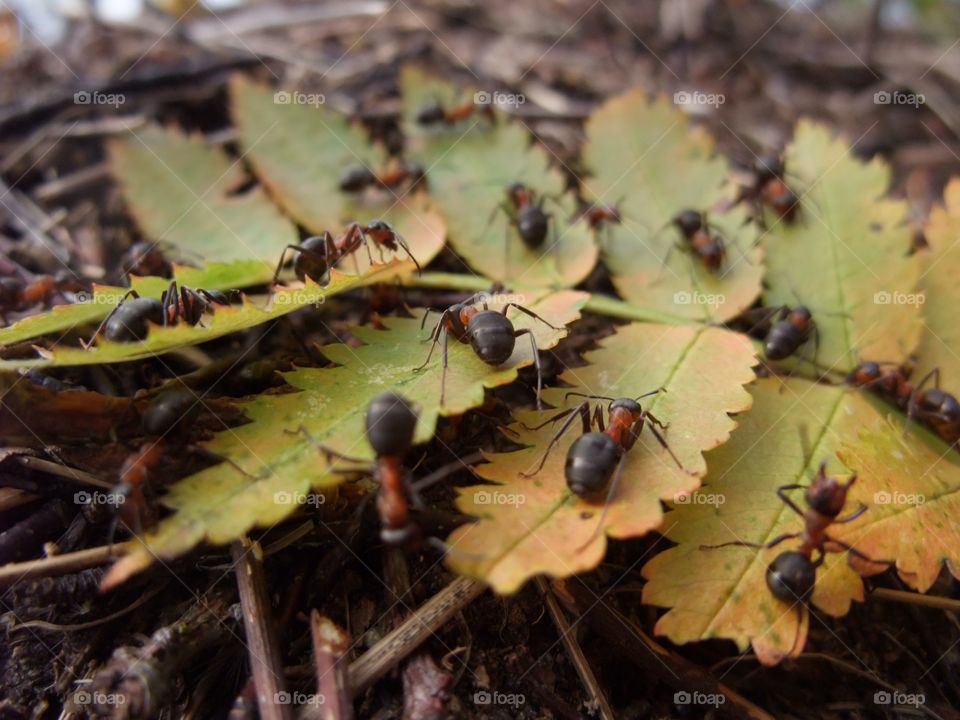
x,y
846,256
940,338
300,150
62,319
537,525
647,163
722,593
469,168
220,503
184,193
222,321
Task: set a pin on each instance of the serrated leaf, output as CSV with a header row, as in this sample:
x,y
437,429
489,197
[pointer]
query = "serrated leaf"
x,y
220,503
469,168
182,192
222,321
645,161
722,593
540,526
61,319
845,257
940,337
299,152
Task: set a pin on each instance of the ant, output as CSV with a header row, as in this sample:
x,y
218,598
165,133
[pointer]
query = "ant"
x,y
490,334
525,213
357,178
598,214
792,574
794,328
432,113
18,294
709,247
390,422
769,188
597,456
129,320
319,253
146,258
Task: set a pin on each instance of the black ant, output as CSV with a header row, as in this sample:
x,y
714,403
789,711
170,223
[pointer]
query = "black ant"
x,y
432,113
794,328
792,574
596,457
317,254
129,320
490,334
357,178
390,422
769,188
146,258
708,247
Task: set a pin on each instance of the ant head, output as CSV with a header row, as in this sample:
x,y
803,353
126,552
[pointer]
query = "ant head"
x,y
688,221
801,312
390,422
865,372
628,404
169,411
430,112
791,576
768,166
355,178
825,495
9,289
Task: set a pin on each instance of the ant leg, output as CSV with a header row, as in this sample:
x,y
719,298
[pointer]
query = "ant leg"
x,y
598,417
638,427
276,273
529,312
606,503
743,543
406,248
861,509
89,343
536,362
781,493
666,259
912,403
210,455
434,337
767,317
464,463
328,452
583,409
443,372
561,414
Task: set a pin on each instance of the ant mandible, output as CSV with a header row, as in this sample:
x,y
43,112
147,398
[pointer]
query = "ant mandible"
x,y
597,456
432,113
129,320
490,334
317,254
358,177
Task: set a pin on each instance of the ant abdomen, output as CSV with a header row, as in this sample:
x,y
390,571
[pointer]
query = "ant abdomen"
x,y
492,336
355,178
390,423
532,226
791,576
169,411
781,342
129,322
591,460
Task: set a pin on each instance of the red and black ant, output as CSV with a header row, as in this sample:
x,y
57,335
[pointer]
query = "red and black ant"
x,y
769,188
17,293
146,258
792,574
318,254
700,239
597,456
129,321
524,211
390,422
793,329
432,113
597,215
490,334
359,177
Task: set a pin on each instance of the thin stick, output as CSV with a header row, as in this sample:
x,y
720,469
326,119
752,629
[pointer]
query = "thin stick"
x,y
386,654
265,659
61,564
330,647
64,471
568,636
933,601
